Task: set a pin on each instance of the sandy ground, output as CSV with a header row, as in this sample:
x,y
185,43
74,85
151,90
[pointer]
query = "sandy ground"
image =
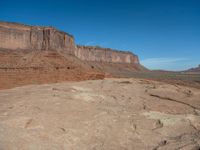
x,y
117,114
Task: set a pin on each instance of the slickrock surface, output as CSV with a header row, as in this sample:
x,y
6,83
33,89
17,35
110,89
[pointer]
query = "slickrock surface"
x,y
118,114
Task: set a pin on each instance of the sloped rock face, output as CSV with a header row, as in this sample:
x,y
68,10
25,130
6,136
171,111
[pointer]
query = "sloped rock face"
x,y
17,36
19,68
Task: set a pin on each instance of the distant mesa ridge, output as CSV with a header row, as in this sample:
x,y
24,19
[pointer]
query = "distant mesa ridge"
x,y
197,69
15,36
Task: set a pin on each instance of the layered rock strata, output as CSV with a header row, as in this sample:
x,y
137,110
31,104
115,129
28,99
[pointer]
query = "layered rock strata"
x,y
98,54
15,36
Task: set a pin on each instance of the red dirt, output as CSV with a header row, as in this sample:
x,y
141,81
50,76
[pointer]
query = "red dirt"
x,y
19,68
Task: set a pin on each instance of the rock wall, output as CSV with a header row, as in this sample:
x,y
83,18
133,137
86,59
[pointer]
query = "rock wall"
x,y
98,54
16,36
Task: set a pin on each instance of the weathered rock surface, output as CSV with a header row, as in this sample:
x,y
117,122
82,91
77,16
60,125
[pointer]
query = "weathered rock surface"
x,y
98,54
118,114
17,36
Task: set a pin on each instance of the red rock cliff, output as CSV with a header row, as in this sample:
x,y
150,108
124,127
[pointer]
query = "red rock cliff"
x,y
98,54
15,36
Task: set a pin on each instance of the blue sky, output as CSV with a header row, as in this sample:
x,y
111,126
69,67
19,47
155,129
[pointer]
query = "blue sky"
x,y
165,34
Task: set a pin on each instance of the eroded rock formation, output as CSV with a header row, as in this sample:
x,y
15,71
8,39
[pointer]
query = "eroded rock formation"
x,y
98,54
37,55
17,36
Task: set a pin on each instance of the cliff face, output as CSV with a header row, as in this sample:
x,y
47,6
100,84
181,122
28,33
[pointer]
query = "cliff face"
x,y
15,36
99,54
36,55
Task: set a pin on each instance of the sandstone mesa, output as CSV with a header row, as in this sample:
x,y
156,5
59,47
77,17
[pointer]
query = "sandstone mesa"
x,y
17,36
36,55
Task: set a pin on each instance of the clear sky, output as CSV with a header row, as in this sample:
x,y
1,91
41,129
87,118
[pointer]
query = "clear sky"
x,y
165,34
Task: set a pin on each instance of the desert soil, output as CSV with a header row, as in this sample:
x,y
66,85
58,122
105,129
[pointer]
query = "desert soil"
x,y
117,114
